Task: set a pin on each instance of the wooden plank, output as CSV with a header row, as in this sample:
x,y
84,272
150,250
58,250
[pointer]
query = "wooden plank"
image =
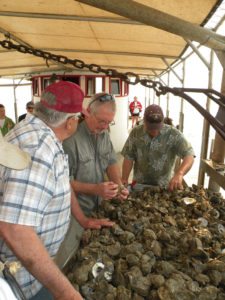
x,y
215,171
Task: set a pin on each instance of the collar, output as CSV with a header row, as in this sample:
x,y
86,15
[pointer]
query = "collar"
x,y
43,126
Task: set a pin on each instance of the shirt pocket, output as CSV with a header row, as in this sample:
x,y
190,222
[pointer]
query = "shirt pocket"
x,y
85,159
86,168
104,160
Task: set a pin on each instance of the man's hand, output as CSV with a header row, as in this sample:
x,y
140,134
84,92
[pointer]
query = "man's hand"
x,y
90,223
176,182
107,190
123,193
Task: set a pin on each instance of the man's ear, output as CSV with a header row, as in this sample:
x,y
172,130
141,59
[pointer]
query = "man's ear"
x,y
86,111
68,124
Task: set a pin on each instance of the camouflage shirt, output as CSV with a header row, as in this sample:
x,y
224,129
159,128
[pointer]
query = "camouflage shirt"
x,y
154,158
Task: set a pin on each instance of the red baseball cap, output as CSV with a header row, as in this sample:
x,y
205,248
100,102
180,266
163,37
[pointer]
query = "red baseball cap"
x,y
63,96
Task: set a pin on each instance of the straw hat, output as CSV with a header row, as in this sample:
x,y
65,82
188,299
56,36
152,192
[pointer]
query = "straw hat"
x,y
11,156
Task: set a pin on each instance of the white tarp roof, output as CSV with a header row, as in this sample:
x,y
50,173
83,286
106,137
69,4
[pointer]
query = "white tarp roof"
x,y
79,31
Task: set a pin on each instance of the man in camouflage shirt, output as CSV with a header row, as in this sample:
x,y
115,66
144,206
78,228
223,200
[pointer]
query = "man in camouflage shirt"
x,y
152,148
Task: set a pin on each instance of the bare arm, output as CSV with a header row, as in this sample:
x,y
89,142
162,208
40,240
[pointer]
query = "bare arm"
x,y
176,181
82,219
186,164
76,210
126,169
107,190
27,246
114,174
84,187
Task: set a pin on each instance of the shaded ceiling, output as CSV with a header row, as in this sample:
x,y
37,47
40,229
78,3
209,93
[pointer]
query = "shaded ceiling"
x,y
79,31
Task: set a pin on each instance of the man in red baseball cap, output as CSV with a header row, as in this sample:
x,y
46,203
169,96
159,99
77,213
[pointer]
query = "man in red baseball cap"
x,y
63,96
152,148
36,202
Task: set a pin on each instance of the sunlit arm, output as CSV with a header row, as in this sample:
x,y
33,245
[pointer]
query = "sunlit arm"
x,y
176,181
26,245
126,169
114,175
84,221
186,165
107,190
84,187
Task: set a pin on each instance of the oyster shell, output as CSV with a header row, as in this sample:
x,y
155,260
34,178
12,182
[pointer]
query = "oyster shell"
x,y
163,246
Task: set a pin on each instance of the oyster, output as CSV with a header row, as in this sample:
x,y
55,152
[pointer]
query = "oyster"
x,y
164,245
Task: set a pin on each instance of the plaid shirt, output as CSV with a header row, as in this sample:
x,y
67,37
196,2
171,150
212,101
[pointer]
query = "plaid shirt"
x,y
38,196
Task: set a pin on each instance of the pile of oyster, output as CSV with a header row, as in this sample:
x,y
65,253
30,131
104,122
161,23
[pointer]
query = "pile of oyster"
x,y
164,245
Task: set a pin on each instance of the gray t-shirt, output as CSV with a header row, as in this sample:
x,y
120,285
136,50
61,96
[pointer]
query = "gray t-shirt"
x,y
154,158
89,156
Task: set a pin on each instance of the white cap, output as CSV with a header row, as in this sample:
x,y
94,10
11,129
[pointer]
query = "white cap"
x,y
6,292
11,156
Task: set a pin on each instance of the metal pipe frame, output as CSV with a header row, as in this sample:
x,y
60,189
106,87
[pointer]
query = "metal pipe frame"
x,y
168,96
111,52
172,70
67,17
153,17
195,49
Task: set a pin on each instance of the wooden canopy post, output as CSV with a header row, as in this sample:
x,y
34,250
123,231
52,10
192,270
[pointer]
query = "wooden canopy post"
x,y
218,152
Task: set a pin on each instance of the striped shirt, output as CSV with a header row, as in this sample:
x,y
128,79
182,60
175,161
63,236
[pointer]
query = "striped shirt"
x,y
89,157
38,196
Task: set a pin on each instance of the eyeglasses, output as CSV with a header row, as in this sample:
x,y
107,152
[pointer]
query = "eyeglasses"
x,y
103,122
103,98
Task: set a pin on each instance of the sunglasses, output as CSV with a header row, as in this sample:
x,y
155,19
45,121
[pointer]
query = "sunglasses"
x,y
103,98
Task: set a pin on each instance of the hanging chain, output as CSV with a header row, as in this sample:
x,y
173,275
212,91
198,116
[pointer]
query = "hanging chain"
x,y
129,77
